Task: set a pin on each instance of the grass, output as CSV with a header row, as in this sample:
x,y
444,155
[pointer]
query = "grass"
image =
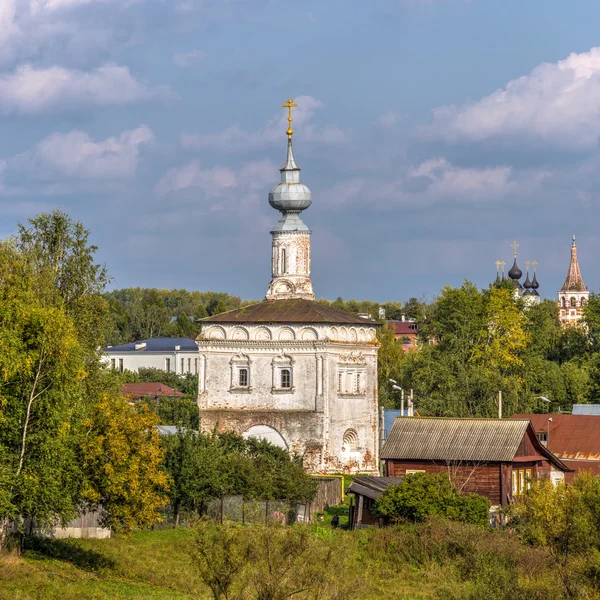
x,y
437,561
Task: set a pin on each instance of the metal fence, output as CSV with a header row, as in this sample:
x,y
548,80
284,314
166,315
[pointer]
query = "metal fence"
x,y
235,508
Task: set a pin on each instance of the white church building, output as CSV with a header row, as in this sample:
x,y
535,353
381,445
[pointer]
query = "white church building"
x,y
290,369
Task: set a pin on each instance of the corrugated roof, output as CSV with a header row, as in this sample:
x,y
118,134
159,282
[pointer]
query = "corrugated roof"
x,y
372,487
296,310
160,344
479,440
571,436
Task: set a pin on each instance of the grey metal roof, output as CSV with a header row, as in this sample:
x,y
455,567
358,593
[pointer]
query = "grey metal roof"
x,y
161,344
372,487
428,438
586,409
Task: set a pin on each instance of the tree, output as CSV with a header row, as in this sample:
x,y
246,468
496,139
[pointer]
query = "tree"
x,y
421,496
389,356
122,458
183,327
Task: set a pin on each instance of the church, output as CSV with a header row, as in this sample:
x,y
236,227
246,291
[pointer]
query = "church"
x,y
290,369
573,295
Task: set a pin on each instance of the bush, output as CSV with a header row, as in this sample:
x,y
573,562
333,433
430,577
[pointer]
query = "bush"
x,y
421,496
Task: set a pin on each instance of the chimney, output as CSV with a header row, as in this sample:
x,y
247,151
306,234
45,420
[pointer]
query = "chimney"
x,y
140,345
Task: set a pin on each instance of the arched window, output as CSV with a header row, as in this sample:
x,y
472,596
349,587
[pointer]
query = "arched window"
x,y
350,441
582,302
286,378
573,301
283,261
563,302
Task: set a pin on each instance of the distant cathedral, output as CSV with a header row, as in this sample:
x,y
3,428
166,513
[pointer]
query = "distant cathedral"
x,y
529,289
289,369
573,295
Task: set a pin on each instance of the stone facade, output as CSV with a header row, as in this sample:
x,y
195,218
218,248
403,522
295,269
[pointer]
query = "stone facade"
x,y
327,415
291,370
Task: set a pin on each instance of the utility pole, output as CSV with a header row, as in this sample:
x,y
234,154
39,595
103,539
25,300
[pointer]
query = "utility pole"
x,y
402,402
411,405
499,404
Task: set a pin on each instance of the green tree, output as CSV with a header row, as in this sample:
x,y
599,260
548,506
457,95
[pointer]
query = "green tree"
x,y
421,496
390,356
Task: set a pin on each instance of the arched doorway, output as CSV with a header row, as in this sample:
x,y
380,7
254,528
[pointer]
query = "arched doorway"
x,y
264,432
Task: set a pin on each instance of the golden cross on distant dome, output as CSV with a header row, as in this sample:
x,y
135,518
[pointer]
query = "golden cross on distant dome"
x,y
289,105
515,246
535,264
502,262
527,263
498,263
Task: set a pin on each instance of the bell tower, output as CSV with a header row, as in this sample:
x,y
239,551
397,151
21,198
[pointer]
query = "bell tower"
x,y
290,258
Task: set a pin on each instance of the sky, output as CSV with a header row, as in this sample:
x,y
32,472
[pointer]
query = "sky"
x,y
432,134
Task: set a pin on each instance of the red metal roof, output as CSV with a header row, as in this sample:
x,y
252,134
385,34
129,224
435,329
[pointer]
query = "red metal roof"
x,y
571,436
139,390
404,327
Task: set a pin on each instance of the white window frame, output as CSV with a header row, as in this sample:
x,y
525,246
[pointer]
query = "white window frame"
x,y
279,364
351,381
237,363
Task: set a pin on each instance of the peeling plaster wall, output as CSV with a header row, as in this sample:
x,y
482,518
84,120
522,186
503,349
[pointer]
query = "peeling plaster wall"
x,y
313,417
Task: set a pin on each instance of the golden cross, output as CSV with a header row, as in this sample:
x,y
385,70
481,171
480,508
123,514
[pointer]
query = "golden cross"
x,y
502,262
527,263
515,246
498,263
535,264
289,105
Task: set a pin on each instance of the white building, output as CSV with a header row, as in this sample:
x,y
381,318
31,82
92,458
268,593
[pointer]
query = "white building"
x,y
290,369
177,355
573,295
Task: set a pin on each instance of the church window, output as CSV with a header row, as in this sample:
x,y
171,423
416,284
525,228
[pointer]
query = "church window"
x,y
563,302
168,365
582,302
350,381
283,261
572,301
243,377
286,378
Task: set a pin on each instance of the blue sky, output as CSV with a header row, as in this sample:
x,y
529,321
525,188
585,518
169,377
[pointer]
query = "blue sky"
x,y
431,132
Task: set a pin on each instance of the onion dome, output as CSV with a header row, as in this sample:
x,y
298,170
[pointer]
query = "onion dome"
x,y
290,195
527,285
534,283
515,274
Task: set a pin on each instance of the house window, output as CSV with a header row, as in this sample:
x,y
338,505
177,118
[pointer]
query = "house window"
x,y
521,481
286,378
189,365
243,377
182,365
113,363
120,365
542,437
413,471
196,366
168,365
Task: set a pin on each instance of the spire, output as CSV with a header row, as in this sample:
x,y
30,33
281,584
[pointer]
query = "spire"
x,y
574,281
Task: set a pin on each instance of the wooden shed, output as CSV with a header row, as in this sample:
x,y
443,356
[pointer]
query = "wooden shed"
x,y
497,458
366,490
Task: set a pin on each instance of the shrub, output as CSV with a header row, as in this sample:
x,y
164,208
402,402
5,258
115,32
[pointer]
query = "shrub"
x,y
421,496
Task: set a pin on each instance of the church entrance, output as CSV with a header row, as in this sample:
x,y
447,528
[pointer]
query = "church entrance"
x,y
264,432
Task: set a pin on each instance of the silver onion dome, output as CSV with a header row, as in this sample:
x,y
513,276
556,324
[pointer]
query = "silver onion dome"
x,y
290,195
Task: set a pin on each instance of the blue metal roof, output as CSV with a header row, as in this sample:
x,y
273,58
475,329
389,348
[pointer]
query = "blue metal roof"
x,y
161,344
586,409
389,416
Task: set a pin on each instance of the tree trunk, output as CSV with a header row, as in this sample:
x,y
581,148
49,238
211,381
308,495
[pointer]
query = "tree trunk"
x,y
176,511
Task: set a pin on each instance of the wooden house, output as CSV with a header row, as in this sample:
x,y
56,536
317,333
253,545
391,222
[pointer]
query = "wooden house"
x,y
496,458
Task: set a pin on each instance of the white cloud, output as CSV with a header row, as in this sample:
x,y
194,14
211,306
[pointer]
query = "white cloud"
x,y
234,138
218,180
388,119
189,59
557,104
76,155
30,90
